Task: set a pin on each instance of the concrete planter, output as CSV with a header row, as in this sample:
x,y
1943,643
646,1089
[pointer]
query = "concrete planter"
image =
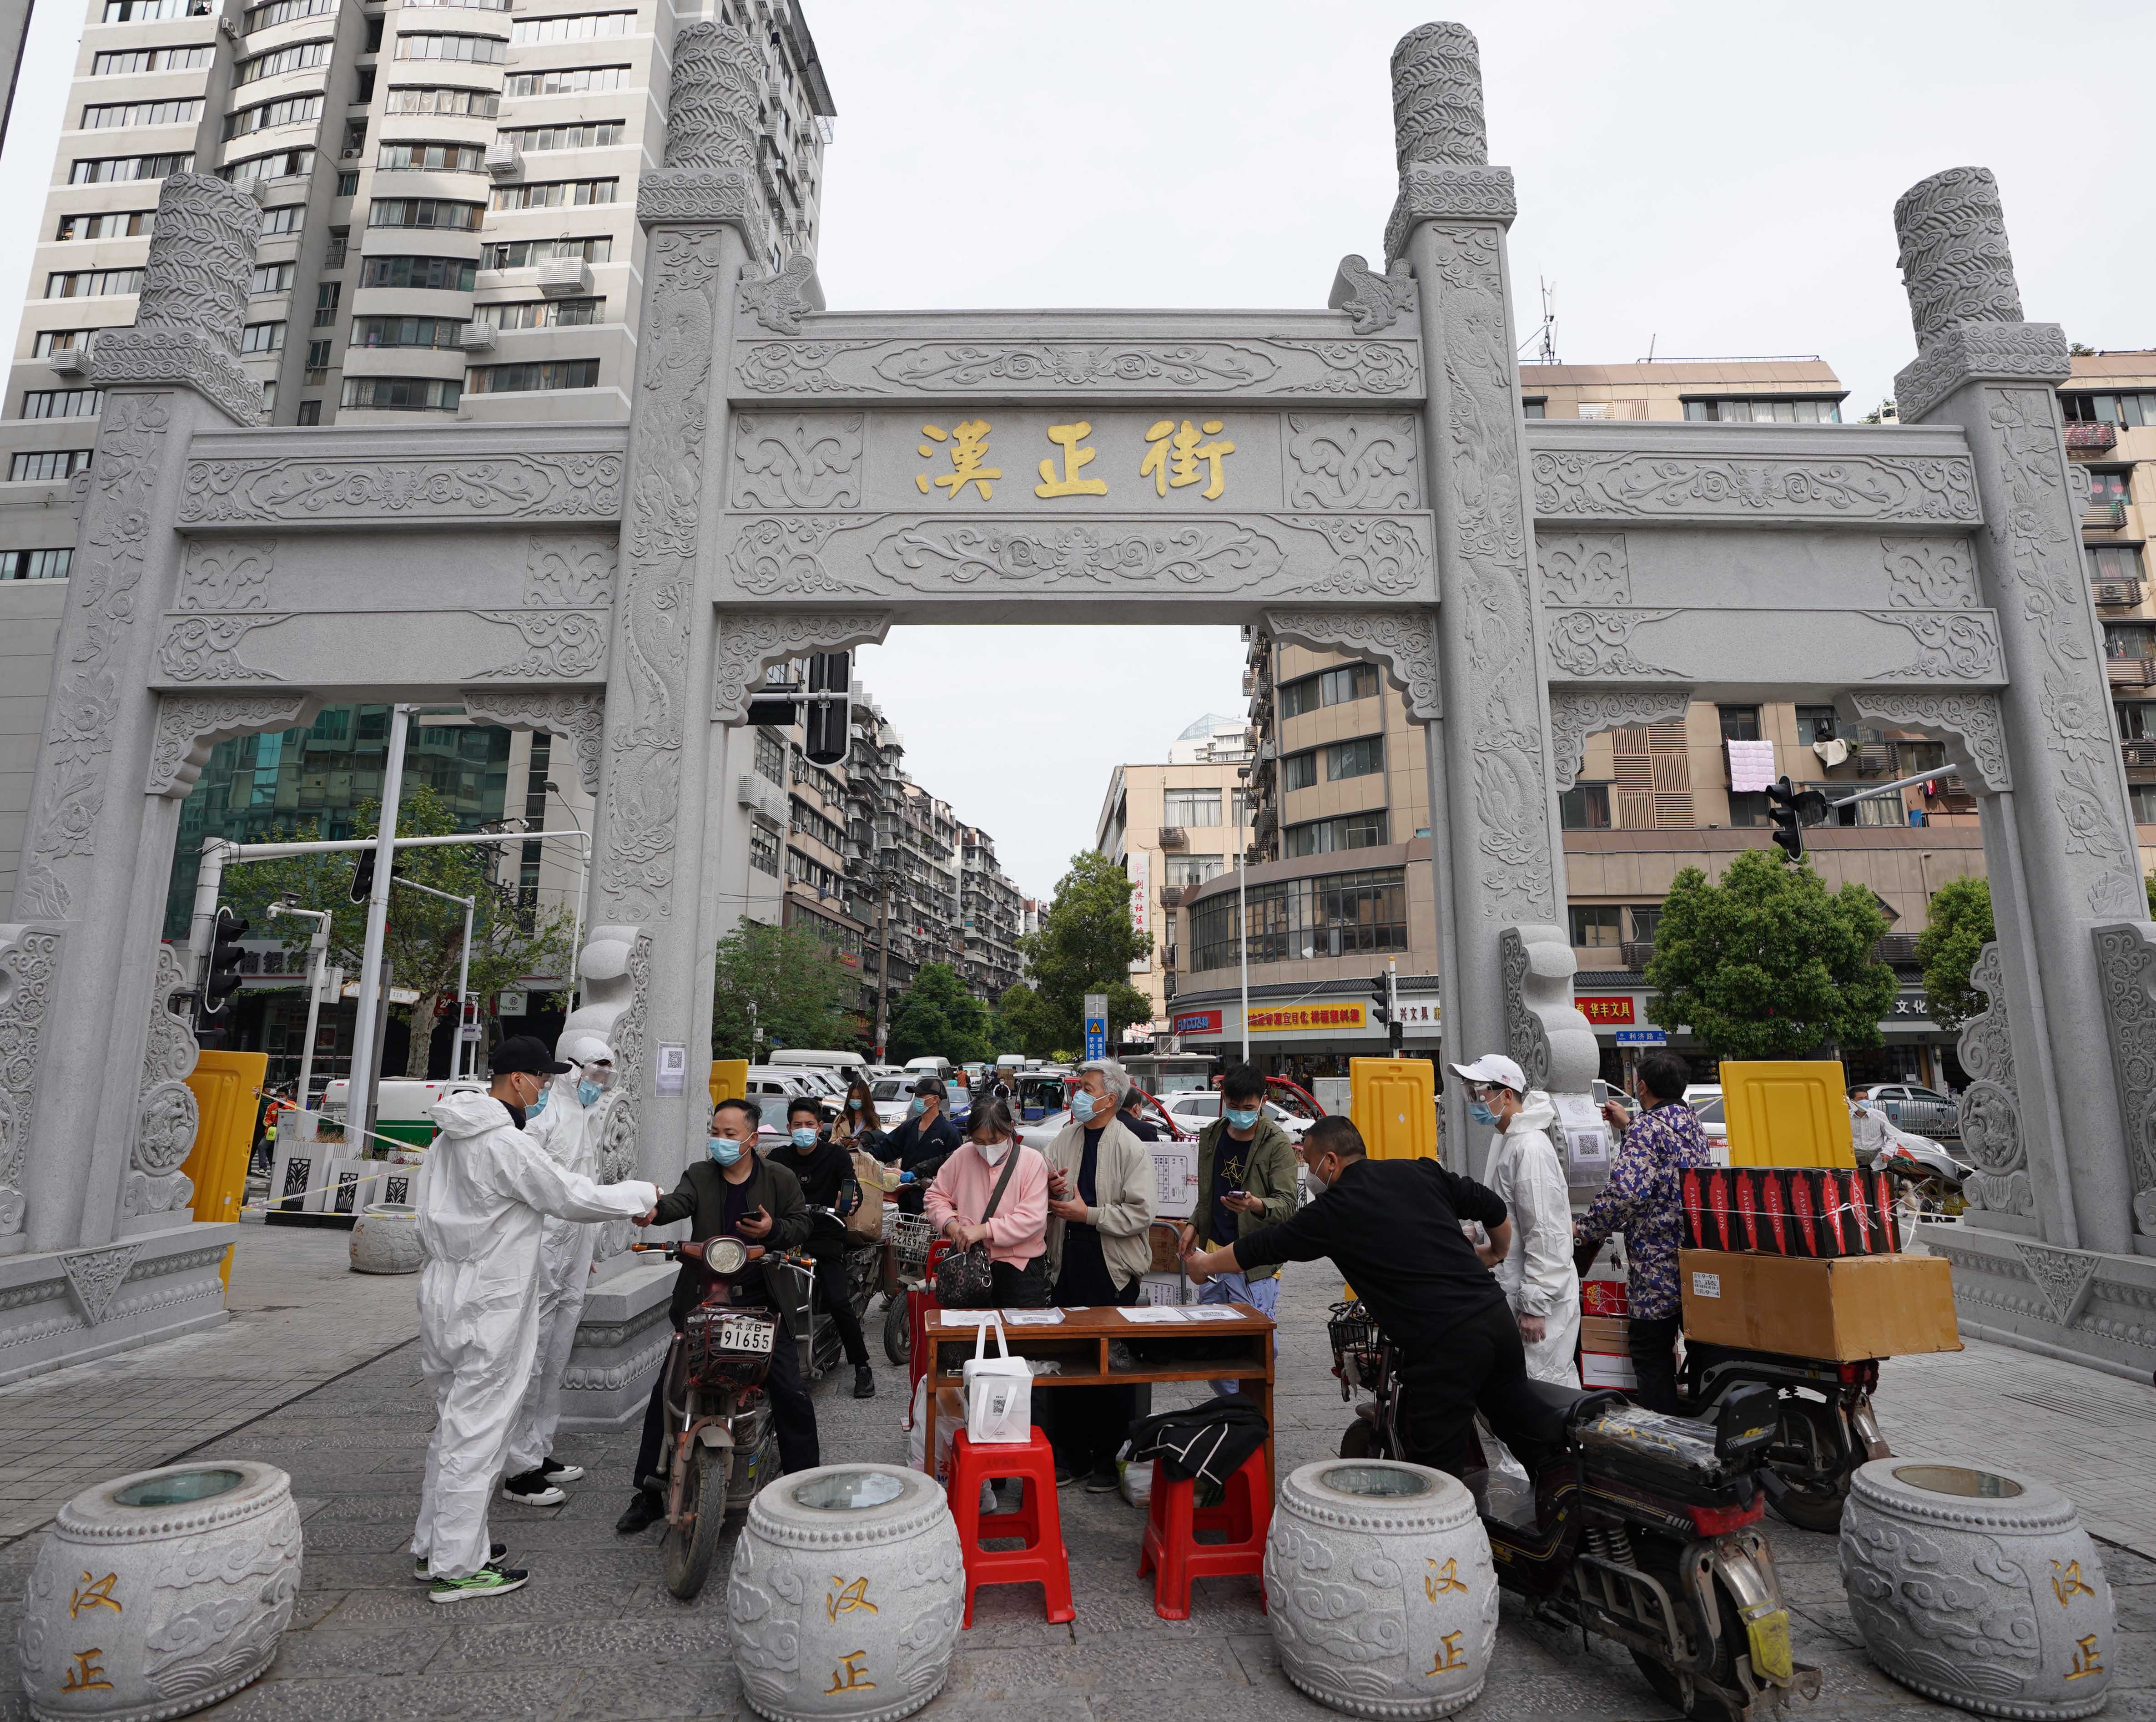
x,y
1379,1588
1978,1589
160,1593
385,1239
845,1594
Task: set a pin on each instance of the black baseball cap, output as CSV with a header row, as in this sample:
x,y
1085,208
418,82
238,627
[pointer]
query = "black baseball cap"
x,y
931,1085
524,1052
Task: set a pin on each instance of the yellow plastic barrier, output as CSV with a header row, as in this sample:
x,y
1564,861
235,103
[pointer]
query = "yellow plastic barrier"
x,y
729,1079
1393,1102
1787,1112
224,1085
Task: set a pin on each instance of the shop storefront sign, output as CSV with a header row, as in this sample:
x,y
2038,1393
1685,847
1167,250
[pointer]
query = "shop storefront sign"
x,y
1607,1011
1197,1022
1297,1019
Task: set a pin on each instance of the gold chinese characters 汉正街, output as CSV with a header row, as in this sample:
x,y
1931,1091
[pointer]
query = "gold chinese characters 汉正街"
x,y
1177,456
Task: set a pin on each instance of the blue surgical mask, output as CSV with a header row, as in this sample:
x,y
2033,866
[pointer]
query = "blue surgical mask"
x,y
539,1105
1481,1114
1242,1120
918,1107
725,1150
803,1138
1082,1105
588,1094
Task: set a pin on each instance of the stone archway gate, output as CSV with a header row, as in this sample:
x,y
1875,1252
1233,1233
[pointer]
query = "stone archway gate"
x,y
793,479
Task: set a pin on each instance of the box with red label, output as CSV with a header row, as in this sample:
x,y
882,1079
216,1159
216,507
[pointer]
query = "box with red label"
x,y
1812,1212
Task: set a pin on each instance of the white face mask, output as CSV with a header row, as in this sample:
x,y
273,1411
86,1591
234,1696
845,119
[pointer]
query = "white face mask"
x,y
994,1152
1317,1182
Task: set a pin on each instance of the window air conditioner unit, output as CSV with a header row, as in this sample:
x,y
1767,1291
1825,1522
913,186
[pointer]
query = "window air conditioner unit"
x,y
70,361
565,277
476,337
503,160
228,27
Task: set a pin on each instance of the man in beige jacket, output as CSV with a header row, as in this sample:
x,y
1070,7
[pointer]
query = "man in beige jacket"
x,y
1101,1183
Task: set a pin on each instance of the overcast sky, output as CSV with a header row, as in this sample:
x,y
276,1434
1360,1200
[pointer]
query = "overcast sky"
x,y
1716,180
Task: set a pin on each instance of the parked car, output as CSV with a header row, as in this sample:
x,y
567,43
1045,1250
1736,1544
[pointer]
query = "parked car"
x,y
1194,1109
1912,1106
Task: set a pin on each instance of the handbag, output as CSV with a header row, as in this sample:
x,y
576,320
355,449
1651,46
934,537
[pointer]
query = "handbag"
x,y
998,1391
865,1220
965,1279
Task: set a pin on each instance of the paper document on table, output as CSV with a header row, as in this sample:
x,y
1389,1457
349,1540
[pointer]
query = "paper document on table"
x,y
1154,1313
1211,1312
1032,1317
966,1318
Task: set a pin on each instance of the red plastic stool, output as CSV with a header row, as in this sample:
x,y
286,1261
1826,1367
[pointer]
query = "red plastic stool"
x,y
917,1306
1042,1561
1172,1551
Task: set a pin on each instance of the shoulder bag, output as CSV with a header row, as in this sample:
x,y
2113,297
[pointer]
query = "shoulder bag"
x,y
965,1279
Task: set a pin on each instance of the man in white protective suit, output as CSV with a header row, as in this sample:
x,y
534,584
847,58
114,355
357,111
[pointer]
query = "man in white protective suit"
x,y
1536,1272
489,1187
567,1124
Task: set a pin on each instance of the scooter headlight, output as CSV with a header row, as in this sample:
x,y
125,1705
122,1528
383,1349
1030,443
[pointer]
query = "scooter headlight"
x,y
726,1254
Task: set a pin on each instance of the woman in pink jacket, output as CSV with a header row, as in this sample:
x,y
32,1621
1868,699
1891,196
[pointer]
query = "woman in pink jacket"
x,y
1016,1232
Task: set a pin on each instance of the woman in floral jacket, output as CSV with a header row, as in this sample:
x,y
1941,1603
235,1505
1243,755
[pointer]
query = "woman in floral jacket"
x,y
1644,1201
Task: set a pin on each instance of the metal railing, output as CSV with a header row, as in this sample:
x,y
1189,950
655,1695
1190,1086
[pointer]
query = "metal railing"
x,y
2103,516
2128,672
2091,436
2116,592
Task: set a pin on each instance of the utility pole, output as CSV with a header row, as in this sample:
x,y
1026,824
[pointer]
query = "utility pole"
x,y
883,964
318,948
373,1003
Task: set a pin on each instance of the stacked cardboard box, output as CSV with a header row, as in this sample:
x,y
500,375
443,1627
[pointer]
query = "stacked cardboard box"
x,y
1605,1347
1819,1213
1842,1310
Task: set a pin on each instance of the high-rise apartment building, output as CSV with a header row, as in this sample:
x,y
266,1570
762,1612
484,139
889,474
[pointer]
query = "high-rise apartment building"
x,y
447,190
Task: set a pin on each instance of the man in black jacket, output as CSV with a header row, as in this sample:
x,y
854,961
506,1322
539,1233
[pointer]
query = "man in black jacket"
x,y
1392,1227
826,1172
922,1143
735,1193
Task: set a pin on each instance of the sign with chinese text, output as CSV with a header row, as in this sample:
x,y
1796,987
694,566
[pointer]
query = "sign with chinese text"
x,y
1096,1024
1303,1019
1139,866
1606,1012
1642,1037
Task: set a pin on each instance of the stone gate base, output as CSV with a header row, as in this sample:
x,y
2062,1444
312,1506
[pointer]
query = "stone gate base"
x,y
69,1306
620,1344
2083,1306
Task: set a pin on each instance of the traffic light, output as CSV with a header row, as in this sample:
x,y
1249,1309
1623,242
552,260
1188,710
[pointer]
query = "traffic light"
x,y
362,876
222,980
829,720
1791,810
1381,1001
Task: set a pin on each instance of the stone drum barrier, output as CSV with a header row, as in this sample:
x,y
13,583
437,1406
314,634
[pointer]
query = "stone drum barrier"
x,y
385,1239
845,1595
1380,1589
1978,1589
160,1593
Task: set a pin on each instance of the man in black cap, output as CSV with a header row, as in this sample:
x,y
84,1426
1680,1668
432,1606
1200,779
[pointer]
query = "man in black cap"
x,y
487,1190
922,1144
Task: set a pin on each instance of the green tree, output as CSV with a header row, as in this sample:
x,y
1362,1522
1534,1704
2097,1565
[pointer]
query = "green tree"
x,y
937,1017
424,935
804,993
1086,944
1766,963
1960,928
1023,1024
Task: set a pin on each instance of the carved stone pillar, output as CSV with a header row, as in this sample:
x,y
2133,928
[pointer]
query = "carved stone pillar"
x,y
2065,832
1499,859
97,855
702,218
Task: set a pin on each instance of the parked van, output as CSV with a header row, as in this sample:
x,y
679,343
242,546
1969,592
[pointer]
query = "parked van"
x,y
848,1064
921,1067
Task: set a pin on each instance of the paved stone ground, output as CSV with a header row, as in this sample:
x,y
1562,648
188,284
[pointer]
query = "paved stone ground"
x,y
299,1316
595,1635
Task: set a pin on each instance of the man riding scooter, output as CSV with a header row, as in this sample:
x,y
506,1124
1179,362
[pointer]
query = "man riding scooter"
x,y
735,1193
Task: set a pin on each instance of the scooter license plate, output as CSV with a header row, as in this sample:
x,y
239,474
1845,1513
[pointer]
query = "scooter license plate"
x,y
751,1332
1769,1632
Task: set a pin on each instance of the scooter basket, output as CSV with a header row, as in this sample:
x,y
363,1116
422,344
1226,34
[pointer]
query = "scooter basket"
x,y
1356,1345
709,1362
910,1236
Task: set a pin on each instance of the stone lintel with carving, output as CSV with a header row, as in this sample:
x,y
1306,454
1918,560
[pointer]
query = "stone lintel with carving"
x,y
189,725
1577,713
1970,724
750,641
1718,651
1405,640
1864,478
576,716
1141,358
1980,353
242,481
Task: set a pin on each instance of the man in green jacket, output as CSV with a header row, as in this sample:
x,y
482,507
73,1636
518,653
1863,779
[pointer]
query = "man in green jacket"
x,y
733,1193
1245,1180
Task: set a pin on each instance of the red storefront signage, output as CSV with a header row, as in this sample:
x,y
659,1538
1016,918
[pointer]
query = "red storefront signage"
x,y
1197,1022
1612,1012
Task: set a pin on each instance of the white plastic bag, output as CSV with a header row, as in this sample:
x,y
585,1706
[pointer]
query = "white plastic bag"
x,y
949,1413
998,1392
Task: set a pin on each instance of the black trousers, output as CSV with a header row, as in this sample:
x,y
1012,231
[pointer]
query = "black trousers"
x,y
1654,1346
793,1415
1479,1366
831,1290
1088,1425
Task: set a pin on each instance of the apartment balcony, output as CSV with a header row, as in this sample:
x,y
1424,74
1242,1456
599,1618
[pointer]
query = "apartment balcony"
x,y
2117,594
2130,672
1171,897
2140,756
1637,953
2103,516
2091,437
1174,837
1895,948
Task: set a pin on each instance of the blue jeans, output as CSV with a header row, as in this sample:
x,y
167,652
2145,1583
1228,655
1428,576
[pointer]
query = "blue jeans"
x,y
1262,1295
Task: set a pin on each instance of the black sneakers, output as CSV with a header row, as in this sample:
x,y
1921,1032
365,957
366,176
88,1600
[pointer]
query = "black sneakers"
x,y
1103,1481
420,1561
554,1471
646,1508
533,1489
490,1580
864,1382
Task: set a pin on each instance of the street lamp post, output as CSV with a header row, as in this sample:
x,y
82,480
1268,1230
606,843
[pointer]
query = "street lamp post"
x,y
583,877
318,948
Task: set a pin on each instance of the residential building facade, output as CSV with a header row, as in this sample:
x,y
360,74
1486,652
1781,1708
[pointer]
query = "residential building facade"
x,y
448,193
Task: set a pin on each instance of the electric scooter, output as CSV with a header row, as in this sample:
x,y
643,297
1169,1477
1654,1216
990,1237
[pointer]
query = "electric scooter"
x,y
721,1445
1639,1527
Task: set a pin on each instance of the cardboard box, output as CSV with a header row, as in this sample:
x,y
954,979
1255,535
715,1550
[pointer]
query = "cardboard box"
x,y
1599,1369
1605,1297
1843,1310
1602,1333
